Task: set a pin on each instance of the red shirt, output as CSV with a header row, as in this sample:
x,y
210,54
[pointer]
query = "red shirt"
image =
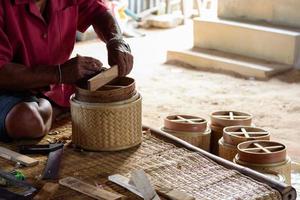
x,y
27,38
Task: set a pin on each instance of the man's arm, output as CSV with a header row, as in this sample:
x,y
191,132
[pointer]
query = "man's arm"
x,y
119,52
19,77
107,27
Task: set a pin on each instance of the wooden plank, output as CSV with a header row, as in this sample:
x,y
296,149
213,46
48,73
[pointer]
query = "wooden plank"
x,y
143,185
88,189
17,157
103,78
47,191
226,62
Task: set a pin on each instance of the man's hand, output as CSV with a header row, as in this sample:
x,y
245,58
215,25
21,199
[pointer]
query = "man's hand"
x,y
119,53
78,68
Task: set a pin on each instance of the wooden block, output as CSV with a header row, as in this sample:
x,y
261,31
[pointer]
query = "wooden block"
x,y
216,60
254,41
103,78
47,191
277,12
88,189
17,157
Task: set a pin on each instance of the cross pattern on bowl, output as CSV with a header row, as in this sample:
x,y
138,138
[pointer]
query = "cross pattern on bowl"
x,y
263,147
248,133
230,115
184,119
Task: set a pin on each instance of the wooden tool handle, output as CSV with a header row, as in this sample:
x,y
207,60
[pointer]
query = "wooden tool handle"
x,y
103,78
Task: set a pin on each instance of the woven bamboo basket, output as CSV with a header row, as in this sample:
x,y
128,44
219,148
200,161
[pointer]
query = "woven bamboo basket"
x,y
222,119
227,151
234,135
282,168
185,123
107,126
230,118
198,139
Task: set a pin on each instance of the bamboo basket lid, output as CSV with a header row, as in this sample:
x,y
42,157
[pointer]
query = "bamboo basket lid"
x,y
237,134
119,89
261,152
185,123
230,118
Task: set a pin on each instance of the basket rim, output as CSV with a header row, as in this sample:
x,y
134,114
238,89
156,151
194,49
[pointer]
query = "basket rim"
x,y
136,98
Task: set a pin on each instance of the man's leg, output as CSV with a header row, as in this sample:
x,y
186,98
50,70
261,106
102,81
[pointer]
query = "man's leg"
x,y
24,116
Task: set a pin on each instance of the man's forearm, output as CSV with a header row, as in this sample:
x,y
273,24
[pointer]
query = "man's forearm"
x,y
19,77
107,27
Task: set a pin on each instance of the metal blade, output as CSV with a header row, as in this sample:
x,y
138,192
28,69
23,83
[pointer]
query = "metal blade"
x,y
53,164
143,185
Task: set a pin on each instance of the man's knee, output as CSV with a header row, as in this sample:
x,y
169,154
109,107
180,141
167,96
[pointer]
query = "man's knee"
x,y
29,119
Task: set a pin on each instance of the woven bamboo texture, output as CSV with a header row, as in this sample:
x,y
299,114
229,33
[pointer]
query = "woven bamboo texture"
x,y
283,168
227,151
198,139
165,163
107,127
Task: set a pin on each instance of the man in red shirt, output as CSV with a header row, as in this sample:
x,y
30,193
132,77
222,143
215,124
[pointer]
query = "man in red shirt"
x,y
36,41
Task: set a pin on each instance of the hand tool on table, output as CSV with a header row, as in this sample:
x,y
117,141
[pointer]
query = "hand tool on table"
x,y
18,158
137,178
55,152
139,184
102,78
15,189
89,190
